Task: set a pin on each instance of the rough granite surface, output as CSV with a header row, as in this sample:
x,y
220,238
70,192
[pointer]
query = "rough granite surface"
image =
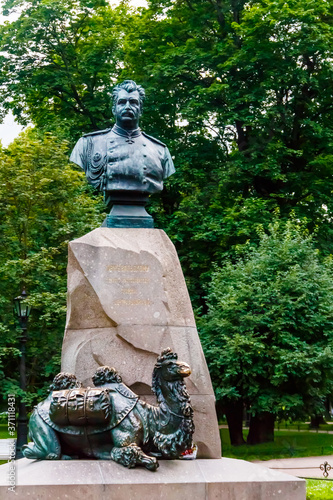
x,y
127,301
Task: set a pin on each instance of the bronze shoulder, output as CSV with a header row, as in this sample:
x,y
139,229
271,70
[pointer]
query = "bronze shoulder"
x,y
153,139
97,132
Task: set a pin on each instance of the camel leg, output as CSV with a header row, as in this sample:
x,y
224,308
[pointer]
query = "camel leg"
x,y
132,455
46,445
126,437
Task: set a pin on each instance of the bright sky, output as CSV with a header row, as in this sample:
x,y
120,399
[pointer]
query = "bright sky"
x,y
9,129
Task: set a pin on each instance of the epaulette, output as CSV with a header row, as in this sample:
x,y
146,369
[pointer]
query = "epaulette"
x,y
97,132
153,139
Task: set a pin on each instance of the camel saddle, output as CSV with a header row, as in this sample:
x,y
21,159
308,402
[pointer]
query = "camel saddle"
x,y
80,407
86,410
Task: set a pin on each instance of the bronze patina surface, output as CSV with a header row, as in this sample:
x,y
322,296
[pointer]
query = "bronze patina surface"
x,y
111,422
124,162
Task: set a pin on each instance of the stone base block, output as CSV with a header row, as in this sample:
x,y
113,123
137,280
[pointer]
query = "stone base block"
x,y
225,478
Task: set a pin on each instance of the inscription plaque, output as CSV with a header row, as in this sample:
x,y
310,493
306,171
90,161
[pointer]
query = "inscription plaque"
x,y
134,302
128,269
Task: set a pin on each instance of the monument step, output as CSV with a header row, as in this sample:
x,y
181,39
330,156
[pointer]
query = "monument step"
x,y
210,479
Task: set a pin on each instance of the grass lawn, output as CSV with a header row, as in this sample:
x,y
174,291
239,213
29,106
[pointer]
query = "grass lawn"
x,y
319,489
302,426
4,432
287,444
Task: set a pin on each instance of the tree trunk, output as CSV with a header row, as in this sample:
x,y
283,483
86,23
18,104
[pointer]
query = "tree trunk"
x,y
261,428
234,414
316,420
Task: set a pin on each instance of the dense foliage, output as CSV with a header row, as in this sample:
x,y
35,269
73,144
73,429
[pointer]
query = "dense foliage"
x,y
268,334
240,91
59,60
249,84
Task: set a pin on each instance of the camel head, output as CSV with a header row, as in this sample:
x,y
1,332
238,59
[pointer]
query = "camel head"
x,y
168,369
174,421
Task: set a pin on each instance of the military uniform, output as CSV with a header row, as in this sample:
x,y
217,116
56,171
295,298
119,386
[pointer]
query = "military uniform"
x,y
116,159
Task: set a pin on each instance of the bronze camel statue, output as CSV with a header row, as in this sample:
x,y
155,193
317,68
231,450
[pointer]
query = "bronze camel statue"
x,y
110,422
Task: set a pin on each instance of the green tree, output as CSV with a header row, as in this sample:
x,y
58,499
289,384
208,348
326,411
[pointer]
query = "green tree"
x,y
59,60
44,203
268,334
242,93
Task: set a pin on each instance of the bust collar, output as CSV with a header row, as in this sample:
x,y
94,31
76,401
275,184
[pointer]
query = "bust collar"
x,y
128,134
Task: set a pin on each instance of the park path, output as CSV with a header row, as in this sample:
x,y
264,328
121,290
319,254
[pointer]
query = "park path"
x,y
5,446
308,467
290,430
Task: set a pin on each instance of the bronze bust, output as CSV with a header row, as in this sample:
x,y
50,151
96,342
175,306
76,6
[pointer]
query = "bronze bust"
x,y
124,162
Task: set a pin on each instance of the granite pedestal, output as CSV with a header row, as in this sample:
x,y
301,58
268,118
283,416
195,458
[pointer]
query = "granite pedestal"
x,y
127,301
225,479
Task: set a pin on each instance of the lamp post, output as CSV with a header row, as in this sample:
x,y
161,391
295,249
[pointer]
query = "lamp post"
x,y
22,311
